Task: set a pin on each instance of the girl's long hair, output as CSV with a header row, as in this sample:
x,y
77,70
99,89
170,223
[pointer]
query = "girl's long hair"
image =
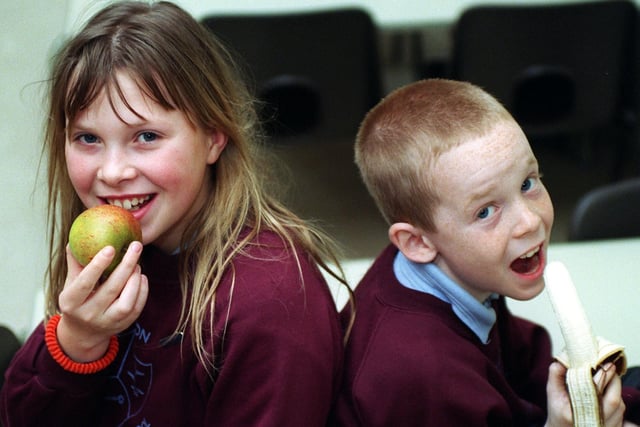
x,y
181,65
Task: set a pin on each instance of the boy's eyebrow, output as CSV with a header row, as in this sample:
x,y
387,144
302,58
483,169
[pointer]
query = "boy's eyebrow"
x,y
484,191
478,195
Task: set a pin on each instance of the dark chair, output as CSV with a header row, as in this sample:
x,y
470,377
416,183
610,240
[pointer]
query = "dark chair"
x,y
608,212
565,71
317,72
9,344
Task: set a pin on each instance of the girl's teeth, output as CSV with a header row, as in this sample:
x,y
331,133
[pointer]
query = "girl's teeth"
x,y
129,204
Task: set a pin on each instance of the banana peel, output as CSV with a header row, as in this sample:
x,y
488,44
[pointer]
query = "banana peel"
x,y
584,352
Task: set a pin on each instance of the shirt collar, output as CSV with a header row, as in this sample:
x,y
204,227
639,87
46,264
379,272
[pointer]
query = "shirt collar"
x,y
430,279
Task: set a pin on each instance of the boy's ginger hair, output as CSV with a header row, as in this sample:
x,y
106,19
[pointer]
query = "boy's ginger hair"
x,y
401,137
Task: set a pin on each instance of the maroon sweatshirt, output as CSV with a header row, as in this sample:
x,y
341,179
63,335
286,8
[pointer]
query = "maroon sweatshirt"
x,y
411,361
278,357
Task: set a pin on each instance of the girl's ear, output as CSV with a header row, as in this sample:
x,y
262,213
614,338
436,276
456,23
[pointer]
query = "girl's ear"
x,y
217,142
412,242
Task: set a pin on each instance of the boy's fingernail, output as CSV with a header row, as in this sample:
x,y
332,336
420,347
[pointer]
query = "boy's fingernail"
x,y
598,374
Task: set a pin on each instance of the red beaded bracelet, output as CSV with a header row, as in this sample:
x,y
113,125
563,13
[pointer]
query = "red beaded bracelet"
x,y
63,360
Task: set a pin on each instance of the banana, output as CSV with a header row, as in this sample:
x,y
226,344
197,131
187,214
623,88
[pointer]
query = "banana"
x,y
584,352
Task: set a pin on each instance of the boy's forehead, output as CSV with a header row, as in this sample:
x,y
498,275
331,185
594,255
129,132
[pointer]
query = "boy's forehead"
x,y
501,150
502,132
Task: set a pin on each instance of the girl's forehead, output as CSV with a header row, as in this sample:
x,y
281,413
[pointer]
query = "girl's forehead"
x,y
124,94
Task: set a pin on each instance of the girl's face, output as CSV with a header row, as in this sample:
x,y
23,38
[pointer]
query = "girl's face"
x,y
494,221
150,160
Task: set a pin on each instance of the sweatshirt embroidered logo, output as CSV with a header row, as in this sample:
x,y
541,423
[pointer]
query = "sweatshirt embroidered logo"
x,y
129,387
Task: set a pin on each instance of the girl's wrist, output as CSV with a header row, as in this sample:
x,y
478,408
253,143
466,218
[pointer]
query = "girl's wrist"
x,y
53,345
79,343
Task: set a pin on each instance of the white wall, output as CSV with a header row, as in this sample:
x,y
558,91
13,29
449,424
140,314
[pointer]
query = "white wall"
x,y
28,33
385,12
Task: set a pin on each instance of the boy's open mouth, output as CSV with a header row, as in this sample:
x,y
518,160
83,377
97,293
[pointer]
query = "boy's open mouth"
x,y
527,263
130,204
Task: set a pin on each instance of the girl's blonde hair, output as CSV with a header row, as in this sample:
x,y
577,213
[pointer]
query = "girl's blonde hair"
x,y
402,136
181,65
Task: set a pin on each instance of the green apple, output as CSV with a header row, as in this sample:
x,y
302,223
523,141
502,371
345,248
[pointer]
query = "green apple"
x,y
100,226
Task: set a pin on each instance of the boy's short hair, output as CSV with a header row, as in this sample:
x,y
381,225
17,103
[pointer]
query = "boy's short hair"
x,y
401,137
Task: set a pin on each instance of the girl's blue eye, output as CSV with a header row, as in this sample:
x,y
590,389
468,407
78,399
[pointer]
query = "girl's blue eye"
x,y
486,212
147,137
87,138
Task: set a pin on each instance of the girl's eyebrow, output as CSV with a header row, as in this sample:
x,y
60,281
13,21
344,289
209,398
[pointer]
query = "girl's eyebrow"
x,y
77,124
135,120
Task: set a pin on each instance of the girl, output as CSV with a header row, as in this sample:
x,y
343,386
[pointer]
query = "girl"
x,y
223,317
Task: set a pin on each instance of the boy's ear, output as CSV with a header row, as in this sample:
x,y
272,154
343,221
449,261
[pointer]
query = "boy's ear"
x,y
217,142
412,242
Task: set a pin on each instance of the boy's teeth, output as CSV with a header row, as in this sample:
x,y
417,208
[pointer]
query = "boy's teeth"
x,y
530,254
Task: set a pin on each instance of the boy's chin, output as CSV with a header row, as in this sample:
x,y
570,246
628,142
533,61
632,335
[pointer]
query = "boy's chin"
x,y
527,293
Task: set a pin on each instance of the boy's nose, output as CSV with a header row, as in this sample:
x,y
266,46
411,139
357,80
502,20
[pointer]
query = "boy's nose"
x,y
115,168
529,220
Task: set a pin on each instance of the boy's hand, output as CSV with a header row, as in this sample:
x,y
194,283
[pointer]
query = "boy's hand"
x,y
91,315
558,402
609,386
559,405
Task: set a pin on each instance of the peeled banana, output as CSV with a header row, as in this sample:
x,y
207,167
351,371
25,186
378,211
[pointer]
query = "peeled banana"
x,y
584,352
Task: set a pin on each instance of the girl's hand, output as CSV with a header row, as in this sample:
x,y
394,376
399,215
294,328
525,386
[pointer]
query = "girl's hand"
x,y
90,314
559,405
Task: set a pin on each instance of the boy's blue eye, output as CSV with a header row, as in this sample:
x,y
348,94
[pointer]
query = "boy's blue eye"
x,y
527,184
485,212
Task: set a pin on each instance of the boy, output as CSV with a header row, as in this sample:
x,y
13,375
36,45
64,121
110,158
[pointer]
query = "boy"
x,y
433,342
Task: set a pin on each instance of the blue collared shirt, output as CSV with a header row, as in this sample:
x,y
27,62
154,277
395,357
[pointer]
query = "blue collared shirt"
x,y
430,279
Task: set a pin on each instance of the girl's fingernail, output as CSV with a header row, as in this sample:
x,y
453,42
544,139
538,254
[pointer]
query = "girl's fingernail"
x,y
108,250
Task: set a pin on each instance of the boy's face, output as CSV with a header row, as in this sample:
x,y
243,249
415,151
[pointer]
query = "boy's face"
x,y
494,221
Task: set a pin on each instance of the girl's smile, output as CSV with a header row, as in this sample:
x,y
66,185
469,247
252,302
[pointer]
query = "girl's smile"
x,y
130,203
137,205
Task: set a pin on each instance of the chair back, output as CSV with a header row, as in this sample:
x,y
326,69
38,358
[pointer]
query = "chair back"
x,y
9,345
317,72
558,68
607,212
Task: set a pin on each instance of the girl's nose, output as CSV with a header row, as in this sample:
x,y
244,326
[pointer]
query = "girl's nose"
x,y
116,168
